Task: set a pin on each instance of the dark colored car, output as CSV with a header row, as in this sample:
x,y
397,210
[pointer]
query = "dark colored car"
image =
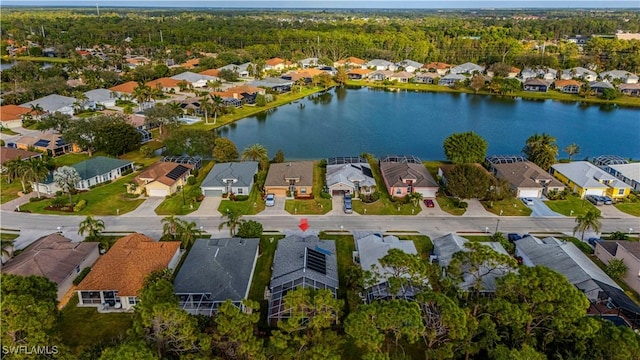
x,y
593,241
513,237
606,200
347,204
595,200
429,203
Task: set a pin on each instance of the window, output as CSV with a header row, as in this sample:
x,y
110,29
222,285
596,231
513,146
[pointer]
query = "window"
x,y
132,300
239,190
77,269
620,191
303,190
398,191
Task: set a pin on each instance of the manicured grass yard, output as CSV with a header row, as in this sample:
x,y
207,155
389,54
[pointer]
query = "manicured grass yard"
x,y
8,237
422,242
8,131
182,204
84,327
564,207
102,200
507,207
70,159
10,191
631,208
262,273
315,206
450,205
245,207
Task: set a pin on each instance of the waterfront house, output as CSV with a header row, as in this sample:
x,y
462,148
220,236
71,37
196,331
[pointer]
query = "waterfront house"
x,y
242,70
630,89
54,103
405,174
351,62
467,68
196,80
535,84
628,252
425,78
290,178
409,65
351,175
578,73
55,257
370,248
162,178
216,270
584,178
115,281
542,73
380,64
51,144
598,87
300,261
527,179
568,86
629,173
230,178
437,67
401,77
358,74
451,79
278,85
380,75
11,115
622,75
275,64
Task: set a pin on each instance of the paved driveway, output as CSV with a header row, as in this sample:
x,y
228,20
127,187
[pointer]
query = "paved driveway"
x,y
277,208
476,209
611,212
540,209
148,206
434,211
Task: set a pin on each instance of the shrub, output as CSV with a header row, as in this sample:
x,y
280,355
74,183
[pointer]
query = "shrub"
x,y
250,229
371,198
191,180
463,205
59,193
241,198
81,276
80,205
58,201
195,172
325,195
126,172
584,247
35,198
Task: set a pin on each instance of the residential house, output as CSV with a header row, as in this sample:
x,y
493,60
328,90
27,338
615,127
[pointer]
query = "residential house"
x,y
535,84
242,69
216,270
598,87
467,68
527,179
162,178
622,75
290,179
278,85
276,64
512,74
94,171
196,80
351,62
437,67
350,175
230,178
403,175
306,75
380,64
300,260
630,89
134,61
578,73
568,86
100,98
167,85
380,75
54,103
115,281
8,154
190,64
628,252
544,73
401,77
451,79
629,173
51,144
584,178
308,62
370,248
124,89
328,69
409,65
55,257
426,78
484,278
210,72
358,74
11,115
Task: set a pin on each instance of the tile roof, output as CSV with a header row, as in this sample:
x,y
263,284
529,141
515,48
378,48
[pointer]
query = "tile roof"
x,y
245,88
13,112
274,61
241,172
210,72
279,173
127,87
53,256
126,265
8,154
165,82
190,64
352,60
525,174
159,171
394,173
360,71
437,65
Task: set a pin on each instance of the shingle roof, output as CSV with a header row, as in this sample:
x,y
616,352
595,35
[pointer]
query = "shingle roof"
x,y
8,154
467,68
536,81
53,256
126,265
98,165
192,77
279,173
633,247
159,171
525,174
348,173
600,84
240,172
630,171
372,247
402,74
99,95
52,102
394,173
222,267
586,175
407,62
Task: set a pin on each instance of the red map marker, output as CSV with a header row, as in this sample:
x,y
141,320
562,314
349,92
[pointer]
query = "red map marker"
x,y
303,224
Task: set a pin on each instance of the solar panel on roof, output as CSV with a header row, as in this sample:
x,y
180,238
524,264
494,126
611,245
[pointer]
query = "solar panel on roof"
x,y
42,143
177,172
316,261
60,142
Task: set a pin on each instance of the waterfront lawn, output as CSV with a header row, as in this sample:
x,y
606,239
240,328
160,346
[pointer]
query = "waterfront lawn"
x,y
422,242
631,208
10,191
101,201
432,167
262,274
185,203
564,207
507,207
251,206
83,327
450,205
138,158
316,206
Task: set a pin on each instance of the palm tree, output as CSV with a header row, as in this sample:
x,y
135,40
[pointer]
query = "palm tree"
x,y
37,110
92,227
233,220
256,152
206,106
15,170
35,171
142,93
189,233
171,227
415,198
217,106
572,149
588,221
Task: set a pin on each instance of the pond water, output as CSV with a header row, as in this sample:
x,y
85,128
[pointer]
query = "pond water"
x,y
347,122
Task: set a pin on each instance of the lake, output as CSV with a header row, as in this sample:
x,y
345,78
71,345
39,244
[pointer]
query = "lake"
x,y
347,122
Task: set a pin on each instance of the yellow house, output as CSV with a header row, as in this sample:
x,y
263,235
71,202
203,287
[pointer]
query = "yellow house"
x,y
584,178
162,178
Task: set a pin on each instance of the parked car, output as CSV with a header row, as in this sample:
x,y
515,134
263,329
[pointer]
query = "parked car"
x,y
607,200
348,209
270,200
429,203
592,241
527,201
595,200
513,237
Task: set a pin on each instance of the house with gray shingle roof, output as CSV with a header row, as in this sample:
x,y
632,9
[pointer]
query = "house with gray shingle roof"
x,y
197,80
598,87
450,79
628,252
527,179
622,75
380,64
402,178
409,65
467,68
216,270
535,84
349,175
293,177
230,178
301,260
242,69
54,103
102,97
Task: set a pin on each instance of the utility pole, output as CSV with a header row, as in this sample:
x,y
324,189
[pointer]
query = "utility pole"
x,y
97,9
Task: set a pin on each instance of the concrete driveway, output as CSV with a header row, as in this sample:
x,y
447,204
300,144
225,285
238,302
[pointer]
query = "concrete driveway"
x,y
208,207
434,211
277,208
611,212
540,209
148,207
475,209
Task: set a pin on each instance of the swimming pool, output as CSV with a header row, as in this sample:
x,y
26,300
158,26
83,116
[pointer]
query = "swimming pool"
x,y
189,120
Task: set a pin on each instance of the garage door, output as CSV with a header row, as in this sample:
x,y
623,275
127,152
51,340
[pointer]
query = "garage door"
x,y
212,193
598,192
426,193
337,192
528,193
157,192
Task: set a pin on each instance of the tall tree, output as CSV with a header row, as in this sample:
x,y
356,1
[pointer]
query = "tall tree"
x,y
445,323
589,221
232,222
541,150
57,121
468,181
15,169
477,82
217,107
171,227
224,150
36,170
341,76
130,350
476,263
256,152
91,227
467,147
162,115
66,178
234,335
572,149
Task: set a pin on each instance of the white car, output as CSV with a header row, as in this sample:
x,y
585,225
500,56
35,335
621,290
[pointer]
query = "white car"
x,y
270,200
527,201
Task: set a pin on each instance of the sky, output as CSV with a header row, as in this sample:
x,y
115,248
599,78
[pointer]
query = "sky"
x,y
375,4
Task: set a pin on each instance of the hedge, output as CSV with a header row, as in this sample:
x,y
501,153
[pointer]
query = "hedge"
x,y
81,276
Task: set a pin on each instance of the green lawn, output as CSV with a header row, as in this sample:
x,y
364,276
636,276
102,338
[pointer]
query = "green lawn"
x,y
631,208
251,206
8,131
38,59
10,191
422,242
507,207
450,205
572,203
83,327
184,203
481,238
262,274
8,237
102,200
315,206
70,159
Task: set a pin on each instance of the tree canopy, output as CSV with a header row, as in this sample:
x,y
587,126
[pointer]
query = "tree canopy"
x,y
464,148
